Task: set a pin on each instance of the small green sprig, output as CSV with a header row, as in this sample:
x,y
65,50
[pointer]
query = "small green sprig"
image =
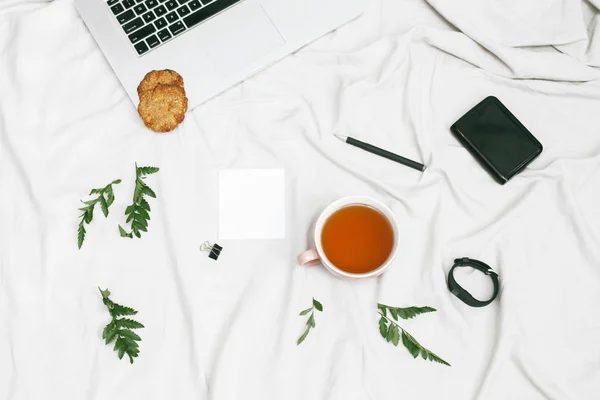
x,y
119,329
390,330
138,212
105,198
310,323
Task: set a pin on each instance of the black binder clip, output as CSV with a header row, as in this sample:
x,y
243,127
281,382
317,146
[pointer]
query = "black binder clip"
x,y
215,250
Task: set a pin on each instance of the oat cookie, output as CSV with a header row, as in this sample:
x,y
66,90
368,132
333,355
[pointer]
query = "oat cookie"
x,y
163,108
162,77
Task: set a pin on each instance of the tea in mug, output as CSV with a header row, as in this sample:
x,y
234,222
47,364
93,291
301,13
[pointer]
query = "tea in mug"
x,y
357,239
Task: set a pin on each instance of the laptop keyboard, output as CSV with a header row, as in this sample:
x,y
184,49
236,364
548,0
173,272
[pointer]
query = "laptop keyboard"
x,y
150,23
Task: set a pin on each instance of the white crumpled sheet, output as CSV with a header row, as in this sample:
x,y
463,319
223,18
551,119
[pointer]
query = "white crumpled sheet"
x,y
398,77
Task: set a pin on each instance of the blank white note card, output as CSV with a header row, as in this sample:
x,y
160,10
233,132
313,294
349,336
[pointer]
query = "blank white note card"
x,y
252,204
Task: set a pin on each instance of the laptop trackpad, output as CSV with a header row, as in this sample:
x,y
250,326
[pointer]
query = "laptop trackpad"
x,y
244,35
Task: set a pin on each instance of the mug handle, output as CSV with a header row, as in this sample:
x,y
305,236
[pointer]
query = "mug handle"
x,y
309,257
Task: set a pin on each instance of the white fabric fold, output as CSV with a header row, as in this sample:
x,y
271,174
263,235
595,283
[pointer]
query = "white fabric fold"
x,y
396,77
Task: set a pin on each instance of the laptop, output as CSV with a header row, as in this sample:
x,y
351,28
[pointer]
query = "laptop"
x,y
212,44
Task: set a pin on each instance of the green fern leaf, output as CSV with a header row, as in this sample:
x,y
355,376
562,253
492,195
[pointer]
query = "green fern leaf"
x,y
121,351
130,344
110,198
128,323
126,333
138,213
110,336
141,228
411,312
119,310
129,218
411,345
80,235
105,293
139,190
395,335
87,214
148,192
393,332
304,335
383,309
140,221
118,330
106,329
147,170
304,312
123,232
143,214
317,305
133,352
103,206
383,329
109,332
310,323
144,204
415,349
390,333
434,358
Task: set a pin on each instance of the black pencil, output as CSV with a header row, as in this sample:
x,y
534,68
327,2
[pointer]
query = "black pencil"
x,y
380,152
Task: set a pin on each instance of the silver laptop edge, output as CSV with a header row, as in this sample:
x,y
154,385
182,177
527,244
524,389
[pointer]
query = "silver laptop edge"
x,y
223,50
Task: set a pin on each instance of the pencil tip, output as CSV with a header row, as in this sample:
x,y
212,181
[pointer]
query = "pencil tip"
x,y
342,138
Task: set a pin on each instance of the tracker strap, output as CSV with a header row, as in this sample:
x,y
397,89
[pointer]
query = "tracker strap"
x,y
461,293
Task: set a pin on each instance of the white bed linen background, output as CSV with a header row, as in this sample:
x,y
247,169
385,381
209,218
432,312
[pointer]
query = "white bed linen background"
x,y
398,77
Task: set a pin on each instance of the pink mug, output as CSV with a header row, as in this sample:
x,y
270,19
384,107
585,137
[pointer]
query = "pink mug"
x,y
317,255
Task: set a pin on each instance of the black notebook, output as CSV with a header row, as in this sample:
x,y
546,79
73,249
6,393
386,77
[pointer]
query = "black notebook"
x,y
496,138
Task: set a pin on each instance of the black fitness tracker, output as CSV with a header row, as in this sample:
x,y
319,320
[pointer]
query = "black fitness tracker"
x,y
461,293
